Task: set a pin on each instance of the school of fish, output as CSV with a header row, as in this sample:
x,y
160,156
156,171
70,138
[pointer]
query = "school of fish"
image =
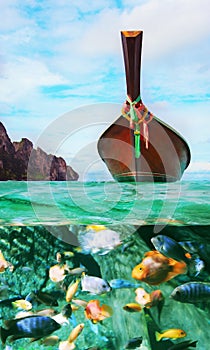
x,y
168,260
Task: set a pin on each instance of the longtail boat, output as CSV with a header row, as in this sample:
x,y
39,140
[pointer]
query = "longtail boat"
x,y
138,146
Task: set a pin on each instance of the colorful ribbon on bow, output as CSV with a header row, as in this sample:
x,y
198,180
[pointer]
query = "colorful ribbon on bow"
x,y
136,113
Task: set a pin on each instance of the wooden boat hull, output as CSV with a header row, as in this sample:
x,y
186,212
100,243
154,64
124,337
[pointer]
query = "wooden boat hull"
x,y
165,159
164,154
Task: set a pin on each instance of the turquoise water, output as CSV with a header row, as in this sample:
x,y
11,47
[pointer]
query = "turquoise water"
x,y
37,219
32,203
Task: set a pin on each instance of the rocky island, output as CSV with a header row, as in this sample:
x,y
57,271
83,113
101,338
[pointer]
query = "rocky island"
x,y
15,165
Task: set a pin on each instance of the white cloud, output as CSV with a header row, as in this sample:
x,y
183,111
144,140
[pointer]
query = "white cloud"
x,y
23,76
167,25
11,17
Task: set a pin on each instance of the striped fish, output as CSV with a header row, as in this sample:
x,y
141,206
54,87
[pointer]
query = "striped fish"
x,y
191,292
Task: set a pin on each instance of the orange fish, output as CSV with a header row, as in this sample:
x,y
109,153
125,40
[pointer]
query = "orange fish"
x,y
156,268
97,313
4,264
156,297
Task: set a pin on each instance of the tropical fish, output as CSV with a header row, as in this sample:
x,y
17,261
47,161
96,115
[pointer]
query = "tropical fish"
x,y
28,327
172,333
80,302
43,298
197,265
99,241
60,319
22,304
184,345
4,264
191,292
132,307
62,257
26,269
192,246
198,252
148,300
170,248
156,297
77,270
46,312
94,285
57,273
67,310
142,297
134,343
96,228
121,283
23,314
156,268
75,332
157,300
66,315
50,341
69,343
97,313
71,291
8,302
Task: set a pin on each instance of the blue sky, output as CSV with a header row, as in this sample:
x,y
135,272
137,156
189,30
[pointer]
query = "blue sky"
x,y
58,55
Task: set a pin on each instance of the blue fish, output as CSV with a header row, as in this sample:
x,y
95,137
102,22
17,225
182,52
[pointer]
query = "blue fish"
x,y
170,248
28,327
121,283
192,292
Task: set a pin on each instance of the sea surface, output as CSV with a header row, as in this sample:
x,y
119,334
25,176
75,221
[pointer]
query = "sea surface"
x,y
40,219
30,203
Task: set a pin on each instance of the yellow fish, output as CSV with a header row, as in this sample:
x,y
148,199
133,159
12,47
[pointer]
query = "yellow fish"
x,y
172,333
22,304
96,228
69,343
156,268
71,291
75,332
132,307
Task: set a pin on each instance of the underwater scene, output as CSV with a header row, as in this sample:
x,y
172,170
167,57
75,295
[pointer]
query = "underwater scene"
x,y
105,265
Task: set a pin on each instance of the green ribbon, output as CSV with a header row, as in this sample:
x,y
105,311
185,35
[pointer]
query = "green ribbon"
x,y
137,144
134,117
132,110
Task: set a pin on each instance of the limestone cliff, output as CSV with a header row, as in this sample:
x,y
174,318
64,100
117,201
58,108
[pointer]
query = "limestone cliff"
x,y
20,161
